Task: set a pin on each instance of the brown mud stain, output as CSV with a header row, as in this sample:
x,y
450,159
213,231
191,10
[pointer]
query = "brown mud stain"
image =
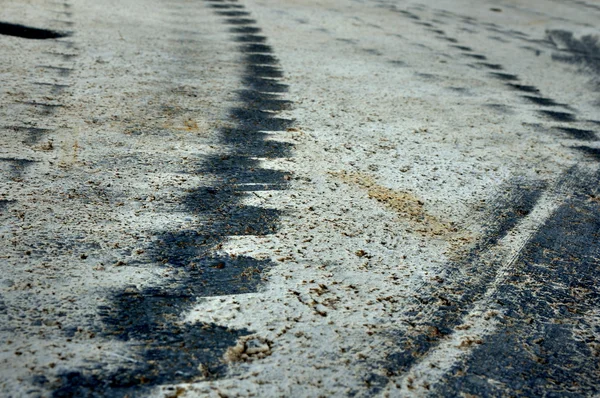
x,y
248,348
189,125
408,207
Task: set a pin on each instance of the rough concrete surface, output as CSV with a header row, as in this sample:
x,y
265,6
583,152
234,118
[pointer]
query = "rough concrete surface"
x,y
299,198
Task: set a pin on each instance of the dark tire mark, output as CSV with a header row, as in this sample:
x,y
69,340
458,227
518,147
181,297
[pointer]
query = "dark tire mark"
x,y
255,48
241,21
31,134
587,5
233,13
453,40
226,6
64,56
27,32
559,116
398,63
44,105
27,134
245,29
545,345
490,66
593,153
439,309
463,48
56,88
579,134
504,76
542,101
16,167
4,205
62,71
266,71
566,363
251,38
172,352
524,88
501,108
438,31
427,24
498,38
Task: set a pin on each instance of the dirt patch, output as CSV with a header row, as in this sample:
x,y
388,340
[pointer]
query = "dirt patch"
x,y
406,205
249,348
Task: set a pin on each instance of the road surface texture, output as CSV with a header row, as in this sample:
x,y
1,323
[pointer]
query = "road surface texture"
x,y
215,198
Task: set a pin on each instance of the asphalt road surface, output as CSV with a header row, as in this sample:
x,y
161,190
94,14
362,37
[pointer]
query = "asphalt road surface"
x,y
299,198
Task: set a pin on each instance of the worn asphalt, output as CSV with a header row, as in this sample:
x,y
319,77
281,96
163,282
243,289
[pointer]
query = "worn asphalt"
x,y
217,198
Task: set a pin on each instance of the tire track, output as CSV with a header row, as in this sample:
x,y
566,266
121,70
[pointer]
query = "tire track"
x,y
32,111
167,351
483,315
438,311
546,341
472,297
35,103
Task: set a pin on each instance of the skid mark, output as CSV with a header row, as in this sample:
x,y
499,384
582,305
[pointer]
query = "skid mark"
x,y
544,343
440,307
483,316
